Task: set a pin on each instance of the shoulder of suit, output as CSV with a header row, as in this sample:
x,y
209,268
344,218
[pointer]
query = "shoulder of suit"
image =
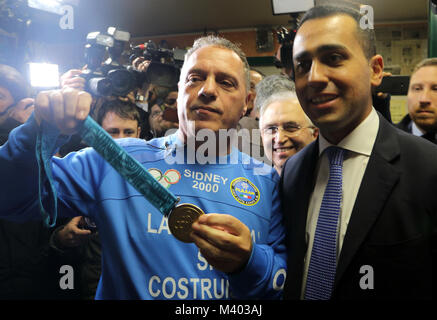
x,y
404,124
301,157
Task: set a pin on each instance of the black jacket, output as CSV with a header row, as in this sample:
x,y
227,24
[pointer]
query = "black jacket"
x,y
393,225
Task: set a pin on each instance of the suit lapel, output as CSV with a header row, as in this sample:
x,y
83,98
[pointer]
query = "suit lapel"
x,y
378,181
298,185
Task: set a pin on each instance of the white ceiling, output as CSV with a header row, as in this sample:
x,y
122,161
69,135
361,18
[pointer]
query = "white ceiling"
x,y
159,17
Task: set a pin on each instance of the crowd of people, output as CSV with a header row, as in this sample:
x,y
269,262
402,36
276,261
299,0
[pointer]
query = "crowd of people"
x,y
323,185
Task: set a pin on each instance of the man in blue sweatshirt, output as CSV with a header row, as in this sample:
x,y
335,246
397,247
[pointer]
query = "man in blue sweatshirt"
x,y
238,245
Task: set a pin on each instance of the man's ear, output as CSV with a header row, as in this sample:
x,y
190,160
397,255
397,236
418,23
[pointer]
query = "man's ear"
x,y
139,132
376,64
315,133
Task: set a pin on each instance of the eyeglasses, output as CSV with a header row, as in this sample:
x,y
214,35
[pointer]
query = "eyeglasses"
x,y
290,130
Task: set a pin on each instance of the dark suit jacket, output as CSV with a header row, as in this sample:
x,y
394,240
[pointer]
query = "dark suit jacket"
x,y
393,223
405,124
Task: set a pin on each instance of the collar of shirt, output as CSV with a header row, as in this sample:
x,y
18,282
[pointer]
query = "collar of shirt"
x,y
354,141
416,130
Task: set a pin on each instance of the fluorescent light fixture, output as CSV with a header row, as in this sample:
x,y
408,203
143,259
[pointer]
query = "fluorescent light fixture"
x,y
291,6
44,75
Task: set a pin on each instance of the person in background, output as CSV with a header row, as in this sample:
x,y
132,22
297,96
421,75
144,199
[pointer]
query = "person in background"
x,y
15,104
421,119
25,257
250,140
163,115
285,128
255,77
121,119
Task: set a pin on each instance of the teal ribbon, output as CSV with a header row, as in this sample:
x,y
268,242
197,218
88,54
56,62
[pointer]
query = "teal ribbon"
x,y
128,167
44,151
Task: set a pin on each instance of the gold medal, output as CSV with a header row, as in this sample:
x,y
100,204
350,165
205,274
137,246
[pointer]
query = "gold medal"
x,y
181,219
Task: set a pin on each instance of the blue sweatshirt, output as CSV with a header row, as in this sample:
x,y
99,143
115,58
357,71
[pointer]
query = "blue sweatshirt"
x,y
140,257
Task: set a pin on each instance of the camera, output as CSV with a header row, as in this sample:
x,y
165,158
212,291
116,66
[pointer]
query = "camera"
x,y
109,77
165,64
285,39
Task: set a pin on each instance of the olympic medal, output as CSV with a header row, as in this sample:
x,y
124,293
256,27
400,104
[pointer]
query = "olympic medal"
x,y
181,219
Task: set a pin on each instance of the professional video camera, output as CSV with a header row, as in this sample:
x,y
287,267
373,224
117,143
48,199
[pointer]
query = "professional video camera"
x,y
108,77
165,64
285,38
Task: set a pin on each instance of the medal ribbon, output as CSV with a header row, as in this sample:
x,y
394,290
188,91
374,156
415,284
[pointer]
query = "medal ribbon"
x,y
128,167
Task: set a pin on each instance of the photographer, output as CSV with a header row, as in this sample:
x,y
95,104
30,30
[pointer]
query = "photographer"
x,y
15,104
163,116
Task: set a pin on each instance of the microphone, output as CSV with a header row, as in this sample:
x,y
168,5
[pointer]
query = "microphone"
x,y
141,46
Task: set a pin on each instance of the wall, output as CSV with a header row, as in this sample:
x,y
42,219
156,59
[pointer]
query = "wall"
x,y
402,47
246,38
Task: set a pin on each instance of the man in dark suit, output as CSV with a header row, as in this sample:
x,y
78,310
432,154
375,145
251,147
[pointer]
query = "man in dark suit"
x,y
373,234
421,119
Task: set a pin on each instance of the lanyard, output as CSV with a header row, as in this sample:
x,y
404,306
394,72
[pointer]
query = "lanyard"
x,y
128,167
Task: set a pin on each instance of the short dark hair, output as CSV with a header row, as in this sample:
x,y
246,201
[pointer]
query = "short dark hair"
x,y
123,109
12,80
366,35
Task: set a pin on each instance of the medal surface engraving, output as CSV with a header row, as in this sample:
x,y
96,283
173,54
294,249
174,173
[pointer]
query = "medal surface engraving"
x,y
181,219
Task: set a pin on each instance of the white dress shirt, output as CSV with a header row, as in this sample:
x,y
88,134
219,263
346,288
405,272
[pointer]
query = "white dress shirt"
x,y
416,130
359,144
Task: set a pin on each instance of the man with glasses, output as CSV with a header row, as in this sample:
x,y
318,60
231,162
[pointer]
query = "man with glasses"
x,y
163,116
285,128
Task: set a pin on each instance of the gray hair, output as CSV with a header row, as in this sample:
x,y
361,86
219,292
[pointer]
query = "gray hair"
x,y
281,96
269,86
275,88
225,44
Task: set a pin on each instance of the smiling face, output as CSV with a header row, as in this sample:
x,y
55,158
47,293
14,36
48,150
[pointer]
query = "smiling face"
x,y
332,75
212,91
281,145
422,98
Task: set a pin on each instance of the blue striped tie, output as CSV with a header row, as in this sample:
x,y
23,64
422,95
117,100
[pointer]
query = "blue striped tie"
x,y
323,263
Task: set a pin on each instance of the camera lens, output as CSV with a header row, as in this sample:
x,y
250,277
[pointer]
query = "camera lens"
x,y
100,86
122,81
